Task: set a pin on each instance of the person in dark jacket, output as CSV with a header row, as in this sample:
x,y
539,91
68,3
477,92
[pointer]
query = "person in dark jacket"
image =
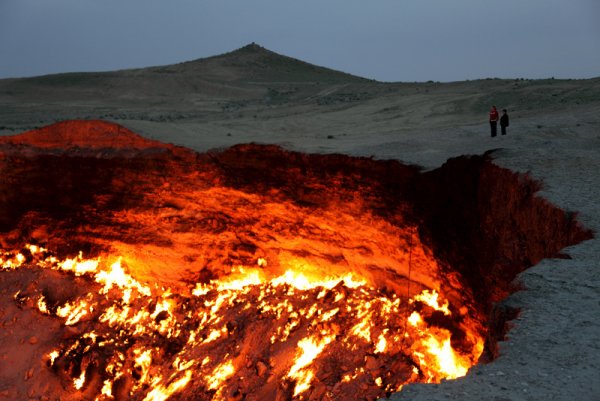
x,y
493,120
503,122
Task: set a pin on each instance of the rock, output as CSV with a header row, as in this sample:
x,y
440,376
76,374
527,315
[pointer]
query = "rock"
x,y
236,396
69,332
261,368
33,340
318,392
121,388
285,391
371,363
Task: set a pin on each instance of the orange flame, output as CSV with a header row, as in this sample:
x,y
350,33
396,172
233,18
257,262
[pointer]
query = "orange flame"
x,y
348,316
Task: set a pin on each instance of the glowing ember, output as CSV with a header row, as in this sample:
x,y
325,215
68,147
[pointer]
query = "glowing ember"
x,y
79,382
220,375
162,393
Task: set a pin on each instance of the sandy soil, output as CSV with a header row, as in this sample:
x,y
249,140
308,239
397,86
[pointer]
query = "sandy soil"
x,y
553,350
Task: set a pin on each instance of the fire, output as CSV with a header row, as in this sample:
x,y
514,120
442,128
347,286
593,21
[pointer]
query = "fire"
x,y
143,360
162,393
79,382
116,277
300,281
436,356
41,304
78,265
72,312
431,298
325,316
381,343
52,356
448,361
220,375
414,319
310,349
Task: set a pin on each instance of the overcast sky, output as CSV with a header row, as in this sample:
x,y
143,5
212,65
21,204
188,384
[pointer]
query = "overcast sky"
x,y
387,40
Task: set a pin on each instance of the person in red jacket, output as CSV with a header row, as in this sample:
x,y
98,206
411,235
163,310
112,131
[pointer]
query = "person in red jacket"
x,y
493,120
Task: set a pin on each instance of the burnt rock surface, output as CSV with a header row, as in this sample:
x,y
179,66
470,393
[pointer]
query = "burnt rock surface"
x,y
489,221
73,174
96,187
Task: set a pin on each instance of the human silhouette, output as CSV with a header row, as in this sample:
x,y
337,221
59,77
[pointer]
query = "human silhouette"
x,y
503,122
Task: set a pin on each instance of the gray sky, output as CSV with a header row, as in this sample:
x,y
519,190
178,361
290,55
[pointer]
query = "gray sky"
x,y
387,40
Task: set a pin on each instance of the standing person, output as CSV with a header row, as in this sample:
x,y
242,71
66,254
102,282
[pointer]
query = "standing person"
x,y
493,120
503,122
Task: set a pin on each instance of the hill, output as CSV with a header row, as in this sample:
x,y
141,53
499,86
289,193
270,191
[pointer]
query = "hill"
x,y
253,63
232,74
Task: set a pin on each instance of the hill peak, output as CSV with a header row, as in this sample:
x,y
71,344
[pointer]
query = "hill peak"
x,y
252,47
256,63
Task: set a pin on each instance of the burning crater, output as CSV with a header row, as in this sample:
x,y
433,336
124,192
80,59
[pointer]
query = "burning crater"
x,y
150,272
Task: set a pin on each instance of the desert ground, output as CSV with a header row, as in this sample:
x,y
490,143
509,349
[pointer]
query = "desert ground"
x,y
253,95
